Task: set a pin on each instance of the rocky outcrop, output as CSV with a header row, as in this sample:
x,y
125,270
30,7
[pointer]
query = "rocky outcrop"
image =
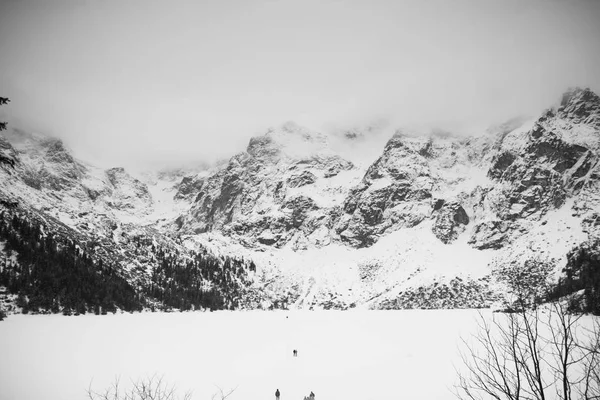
x,y
457,293
394,193
127,191
189,187
8,155
451,221
491,235
270,193
556,160
500,163
530,172
581,106
47,165
302,179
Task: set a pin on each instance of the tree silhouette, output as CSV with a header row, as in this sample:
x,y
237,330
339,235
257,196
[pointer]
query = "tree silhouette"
x,y
3,101
4,159
531,354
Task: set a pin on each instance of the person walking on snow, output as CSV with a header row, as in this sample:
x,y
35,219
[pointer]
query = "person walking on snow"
x,y
277,393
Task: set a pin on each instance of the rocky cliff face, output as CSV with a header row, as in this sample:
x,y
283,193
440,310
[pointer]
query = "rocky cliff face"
x,y
284,189
44,176
106,219
539,170
424,223
507,195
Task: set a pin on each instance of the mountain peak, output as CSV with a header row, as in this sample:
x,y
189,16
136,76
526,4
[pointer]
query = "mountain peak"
x,y
581,106
291,131
290,139
577,95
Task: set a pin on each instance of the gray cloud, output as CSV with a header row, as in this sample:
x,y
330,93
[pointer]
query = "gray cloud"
x,y
136,82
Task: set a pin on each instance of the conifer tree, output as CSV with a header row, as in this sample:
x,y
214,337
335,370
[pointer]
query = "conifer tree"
x,y
3,101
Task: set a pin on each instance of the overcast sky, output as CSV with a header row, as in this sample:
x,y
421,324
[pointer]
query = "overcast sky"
x,y
128,82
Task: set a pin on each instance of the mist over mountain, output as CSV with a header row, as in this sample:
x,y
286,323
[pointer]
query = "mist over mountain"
x,y
194,82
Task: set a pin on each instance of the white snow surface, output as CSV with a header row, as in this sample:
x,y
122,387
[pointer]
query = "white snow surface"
x,y
349,355
341,355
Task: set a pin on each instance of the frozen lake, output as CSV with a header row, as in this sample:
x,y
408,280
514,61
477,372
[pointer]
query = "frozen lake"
x,y
341,355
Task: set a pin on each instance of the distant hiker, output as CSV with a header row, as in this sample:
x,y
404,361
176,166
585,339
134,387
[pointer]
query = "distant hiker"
x,y
310,397
295,353
277,394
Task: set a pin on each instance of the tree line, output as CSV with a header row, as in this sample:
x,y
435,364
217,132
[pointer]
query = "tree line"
x,y
581,274
52,274
199,280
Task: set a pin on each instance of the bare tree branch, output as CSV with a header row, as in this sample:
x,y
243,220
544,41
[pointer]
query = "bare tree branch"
x,y
526,356
150,388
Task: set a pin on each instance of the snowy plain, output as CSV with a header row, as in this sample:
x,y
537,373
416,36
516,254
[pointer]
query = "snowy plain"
x,y
341,354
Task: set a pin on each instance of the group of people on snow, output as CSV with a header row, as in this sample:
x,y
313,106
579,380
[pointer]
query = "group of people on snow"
x,y
311,396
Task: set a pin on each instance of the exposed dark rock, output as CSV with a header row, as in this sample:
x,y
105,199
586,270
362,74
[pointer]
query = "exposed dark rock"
x,y
300,206
56,152
426,151
336,165
302,179
490,235
457,293
582,106
261,146
189,186
9,203
438,204
8,155
279,193
500,163
128,192
450,222
268,238
591,223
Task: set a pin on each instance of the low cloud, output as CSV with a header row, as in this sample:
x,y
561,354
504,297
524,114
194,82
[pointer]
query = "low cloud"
x,y
142,83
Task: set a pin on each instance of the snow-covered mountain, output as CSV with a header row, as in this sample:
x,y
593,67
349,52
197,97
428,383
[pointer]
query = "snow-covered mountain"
x,y
343,219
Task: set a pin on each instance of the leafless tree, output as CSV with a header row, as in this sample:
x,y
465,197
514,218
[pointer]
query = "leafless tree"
x,y
152,388
222,395
532,354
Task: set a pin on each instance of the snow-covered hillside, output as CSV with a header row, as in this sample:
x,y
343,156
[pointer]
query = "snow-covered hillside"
x,y
345,219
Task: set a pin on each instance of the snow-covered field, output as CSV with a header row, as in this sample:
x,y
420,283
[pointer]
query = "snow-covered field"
x,y
341,355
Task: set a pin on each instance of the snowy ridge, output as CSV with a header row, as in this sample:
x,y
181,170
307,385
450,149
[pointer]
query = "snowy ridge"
x,y
421,220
